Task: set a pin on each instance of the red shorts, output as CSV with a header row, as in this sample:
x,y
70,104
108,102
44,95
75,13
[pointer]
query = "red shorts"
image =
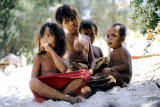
x,y
61,80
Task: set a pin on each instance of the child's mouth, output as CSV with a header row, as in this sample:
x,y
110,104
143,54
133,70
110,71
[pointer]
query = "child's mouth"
x,y
110,43
74,27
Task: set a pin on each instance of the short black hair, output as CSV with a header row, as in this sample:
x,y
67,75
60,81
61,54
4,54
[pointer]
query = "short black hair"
x,y
87,24
66,11
122,30
59,34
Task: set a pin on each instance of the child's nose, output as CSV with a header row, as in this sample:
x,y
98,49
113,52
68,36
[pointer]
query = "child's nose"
x,y
110,39
72,22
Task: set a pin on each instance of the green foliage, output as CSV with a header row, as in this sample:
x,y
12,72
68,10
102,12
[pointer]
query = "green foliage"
x,y
21,22
146,14
107,12
6,16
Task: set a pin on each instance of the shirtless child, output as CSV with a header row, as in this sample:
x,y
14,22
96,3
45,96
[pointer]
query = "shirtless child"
x,y
120,65
49,80
79,46
90,29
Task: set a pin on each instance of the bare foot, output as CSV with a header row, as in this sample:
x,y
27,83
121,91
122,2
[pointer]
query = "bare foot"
x,y
75,99
86,92
112,79
124,84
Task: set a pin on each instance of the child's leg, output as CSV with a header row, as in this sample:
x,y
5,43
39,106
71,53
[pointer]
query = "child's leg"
x,y
49,92
119,78
73,86
123,80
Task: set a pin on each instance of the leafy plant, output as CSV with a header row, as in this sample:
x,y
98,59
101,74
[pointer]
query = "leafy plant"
x,y
146,15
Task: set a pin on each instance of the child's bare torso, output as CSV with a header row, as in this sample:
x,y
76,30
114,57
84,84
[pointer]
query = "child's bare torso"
x,y
118,59
79,49
47,65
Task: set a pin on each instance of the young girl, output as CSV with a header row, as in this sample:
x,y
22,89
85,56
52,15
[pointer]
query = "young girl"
x,y
49,79
90,29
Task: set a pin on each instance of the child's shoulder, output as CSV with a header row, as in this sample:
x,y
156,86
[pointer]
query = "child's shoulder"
x,y
96,47
39,57
124,50
84,37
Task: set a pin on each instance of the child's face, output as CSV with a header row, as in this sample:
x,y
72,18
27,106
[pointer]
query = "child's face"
x,y
48,39
90,33
71,24
113,38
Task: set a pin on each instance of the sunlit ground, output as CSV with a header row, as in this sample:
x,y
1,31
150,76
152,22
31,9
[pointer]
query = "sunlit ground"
x,y
142,91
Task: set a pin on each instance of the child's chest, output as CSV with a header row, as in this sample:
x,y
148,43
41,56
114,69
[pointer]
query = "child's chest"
x,y
116,58
78,46
48,65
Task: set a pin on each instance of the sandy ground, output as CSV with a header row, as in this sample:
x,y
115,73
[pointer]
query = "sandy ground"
x,y
142,91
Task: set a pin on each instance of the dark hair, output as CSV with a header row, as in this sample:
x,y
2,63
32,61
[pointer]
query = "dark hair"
x,y
59,34
122,30
66,11
86,24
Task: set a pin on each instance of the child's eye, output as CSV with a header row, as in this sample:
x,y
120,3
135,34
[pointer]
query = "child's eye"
x,y
86,34
114,35
67,21
92,34
49,35
72,18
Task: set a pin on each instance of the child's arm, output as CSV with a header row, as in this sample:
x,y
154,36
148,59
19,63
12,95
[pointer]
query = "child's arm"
x,y
65,58
60,65
125,61
100,52
91,58
36,67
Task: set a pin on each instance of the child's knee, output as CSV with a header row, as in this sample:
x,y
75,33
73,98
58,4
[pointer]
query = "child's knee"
x,y
33,83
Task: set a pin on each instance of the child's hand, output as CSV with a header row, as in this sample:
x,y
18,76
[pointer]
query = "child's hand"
x,y
45,46
91,71
68,70
48,49
43,43
106,70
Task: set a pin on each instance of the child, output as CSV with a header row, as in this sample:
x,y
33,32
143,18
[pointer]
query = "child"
x,y
79,46
89,28
120,65
49,79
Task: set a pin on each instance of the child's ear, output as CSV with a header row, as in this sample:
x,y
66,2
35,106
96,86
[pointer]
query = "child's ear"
x,y
123,38
61,25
